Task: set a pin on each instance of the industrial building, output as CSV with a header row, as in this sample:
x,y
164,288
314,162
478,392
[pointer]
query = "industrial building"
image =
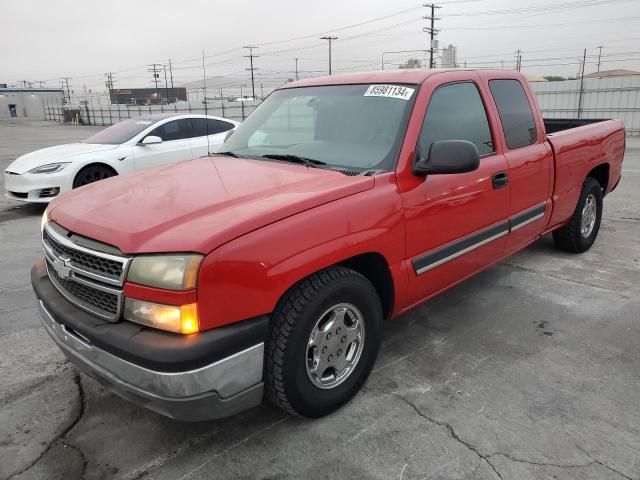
x,y
28,102
449,57
147,96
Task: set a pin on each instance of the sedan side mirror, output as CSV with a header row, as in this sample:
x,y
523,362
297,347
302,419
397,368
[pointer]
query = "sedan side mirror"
x,y
448,156
151,140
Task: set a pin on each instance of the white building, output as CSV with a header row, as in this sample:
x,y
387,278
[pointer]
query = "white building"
x,y
449,57
27,102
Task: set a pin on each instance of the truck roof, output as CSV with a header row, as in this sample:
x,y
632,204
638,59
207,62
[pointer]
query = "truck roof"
x,y
414,76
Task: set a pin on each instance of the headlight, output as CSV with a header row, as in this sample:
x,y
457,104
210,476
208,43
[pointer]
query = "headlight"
x,y
173,272
179,319
49,168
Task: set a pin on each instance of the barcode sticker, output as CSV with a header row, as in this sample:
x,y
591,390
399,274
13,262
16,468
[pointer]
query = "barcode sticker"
x,y
392,91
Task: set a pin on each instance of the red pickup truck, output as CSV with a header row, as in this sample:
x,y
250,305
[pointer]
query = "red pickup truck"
x,y
192,289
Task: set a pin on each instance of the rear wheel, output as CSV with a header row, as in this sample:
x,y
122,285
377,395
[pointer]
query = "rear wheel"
x,y
92,173
581,231
324,339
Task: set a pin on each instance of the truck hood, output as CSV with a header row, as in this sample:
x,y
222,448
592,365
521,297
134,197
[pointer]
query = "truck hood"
x,y
59,153
197,205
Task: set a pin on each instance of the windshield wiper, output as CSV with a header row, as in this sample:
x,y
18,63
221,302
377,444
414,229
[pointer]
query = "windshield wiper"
x,y
309,162
228,154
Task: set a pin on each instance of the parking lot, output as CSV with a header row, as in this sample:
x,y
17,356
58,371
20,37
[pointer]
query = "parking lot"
x,y
529,370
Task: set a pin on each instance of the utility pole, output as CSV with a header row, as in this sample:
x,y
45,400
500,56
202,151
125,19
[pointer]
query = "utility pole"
x,y
599,57
171,73
432,31
296,68
166,84
251,56
109,83
330,39
156,75
65,81
518,60
584,61
261,92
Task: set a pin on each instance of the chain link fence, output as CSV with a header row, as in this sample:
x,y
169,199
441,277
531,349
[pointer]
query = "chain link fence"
x,y
108,115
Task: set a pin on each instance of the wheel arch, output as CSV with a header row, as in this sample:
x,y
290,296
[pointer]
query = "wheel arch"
x,y
375,268
601,174
93,163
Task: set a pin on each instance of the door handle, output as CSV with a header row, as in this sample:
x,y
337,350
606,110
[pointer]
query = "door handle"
x,y
499,180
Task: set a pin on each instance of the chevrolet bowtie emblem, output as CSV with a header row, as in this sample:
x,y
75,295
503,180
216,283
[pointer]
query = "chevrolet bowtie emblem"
x,y
61,266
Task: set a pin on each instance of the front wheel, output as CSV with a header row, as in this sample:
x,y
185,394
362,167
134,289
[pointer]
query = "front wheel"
x,y
92,173
579,234
325,336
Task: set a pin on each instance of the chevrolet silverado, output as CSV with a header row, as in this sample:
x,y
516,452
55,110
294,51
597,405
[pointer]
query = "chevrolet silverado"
x,y
195,288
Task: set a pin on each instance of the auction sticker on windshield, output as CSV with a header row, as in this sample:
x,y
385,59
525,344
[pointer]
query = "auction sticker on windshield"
x,y
392,91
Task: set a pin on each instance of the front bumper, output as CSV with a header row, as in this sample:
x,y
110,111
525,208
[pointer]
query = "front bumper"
x,y
217,389
28,187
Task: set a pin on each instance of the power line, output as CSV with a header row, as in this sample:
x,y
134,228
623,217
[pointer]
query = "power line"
x,y
537,8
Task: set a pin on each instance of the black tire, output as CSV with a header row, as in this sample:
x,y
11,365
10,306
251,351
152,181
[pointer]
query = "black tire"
x,y
287,382
570,237
92,173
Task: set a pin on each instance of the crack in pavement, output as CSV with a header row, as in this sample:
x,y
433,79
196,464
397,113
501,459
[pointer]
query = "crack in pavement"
x,y
453,434
487,457
64,433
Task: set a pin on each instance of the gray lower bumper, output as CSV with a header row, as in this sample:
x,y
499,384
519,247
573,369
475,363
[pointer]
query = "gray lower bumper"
x,y
221,389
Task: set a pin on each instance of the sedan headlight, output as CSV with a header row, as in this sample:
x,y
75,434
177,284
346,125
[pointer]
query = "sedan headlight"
x,y
49,168
173,272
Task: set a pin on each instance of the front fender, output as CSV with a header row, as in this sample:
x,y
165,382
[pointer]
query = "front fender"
x,y
120,159
246,277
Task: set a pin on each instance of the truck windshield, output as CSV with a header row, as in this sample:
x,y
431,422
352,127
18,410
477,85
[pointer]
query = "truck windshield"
x,y
120,132
354,127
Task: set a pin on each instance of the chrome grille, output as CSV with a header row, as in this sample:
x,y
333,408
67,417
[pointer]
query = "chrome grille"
x,y
85,295
88,262
88,278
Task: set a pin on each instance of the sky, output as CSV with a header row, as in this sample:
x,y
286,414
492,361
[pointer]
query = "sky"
x,y
43,40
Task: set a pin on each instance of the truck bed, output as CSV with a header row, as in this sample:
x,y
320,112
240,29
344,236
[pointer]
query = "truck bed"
x,y
579,146
553,125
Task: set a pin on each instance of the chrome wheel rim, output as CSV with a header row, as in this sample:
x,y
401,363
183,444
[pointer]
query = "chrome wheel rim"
x,y
588,215
335,346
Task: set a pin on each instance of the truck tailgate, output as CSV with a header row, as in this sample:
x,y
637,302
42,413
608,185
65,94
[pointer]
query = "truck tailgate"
x,y
577,151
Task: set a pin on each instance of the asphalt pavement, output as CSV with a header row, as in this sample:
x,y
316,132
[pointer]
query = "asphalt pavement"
x,y
529,370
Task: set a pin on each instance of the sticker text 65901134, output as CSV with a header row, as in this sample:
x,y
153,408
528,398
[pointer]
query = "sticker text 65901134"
x,y
392,91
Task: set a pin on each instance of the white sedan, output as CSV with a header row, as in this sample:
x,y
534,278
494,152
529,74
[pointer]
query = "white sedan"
x,y
131,144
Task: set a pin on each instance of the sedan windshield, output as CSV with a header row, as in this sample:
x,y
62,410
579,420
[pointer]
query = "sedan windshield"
x,y
120,132
355,127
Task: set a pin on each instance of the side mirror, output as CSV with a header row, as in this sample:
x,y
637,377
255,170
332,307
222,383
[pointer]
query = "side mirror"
x,y
151,140
226,137
447,156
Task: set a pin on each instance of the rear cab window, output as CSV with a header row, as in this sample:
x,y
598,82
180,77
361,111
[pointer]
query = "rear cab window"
x,y
456,112
516,114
